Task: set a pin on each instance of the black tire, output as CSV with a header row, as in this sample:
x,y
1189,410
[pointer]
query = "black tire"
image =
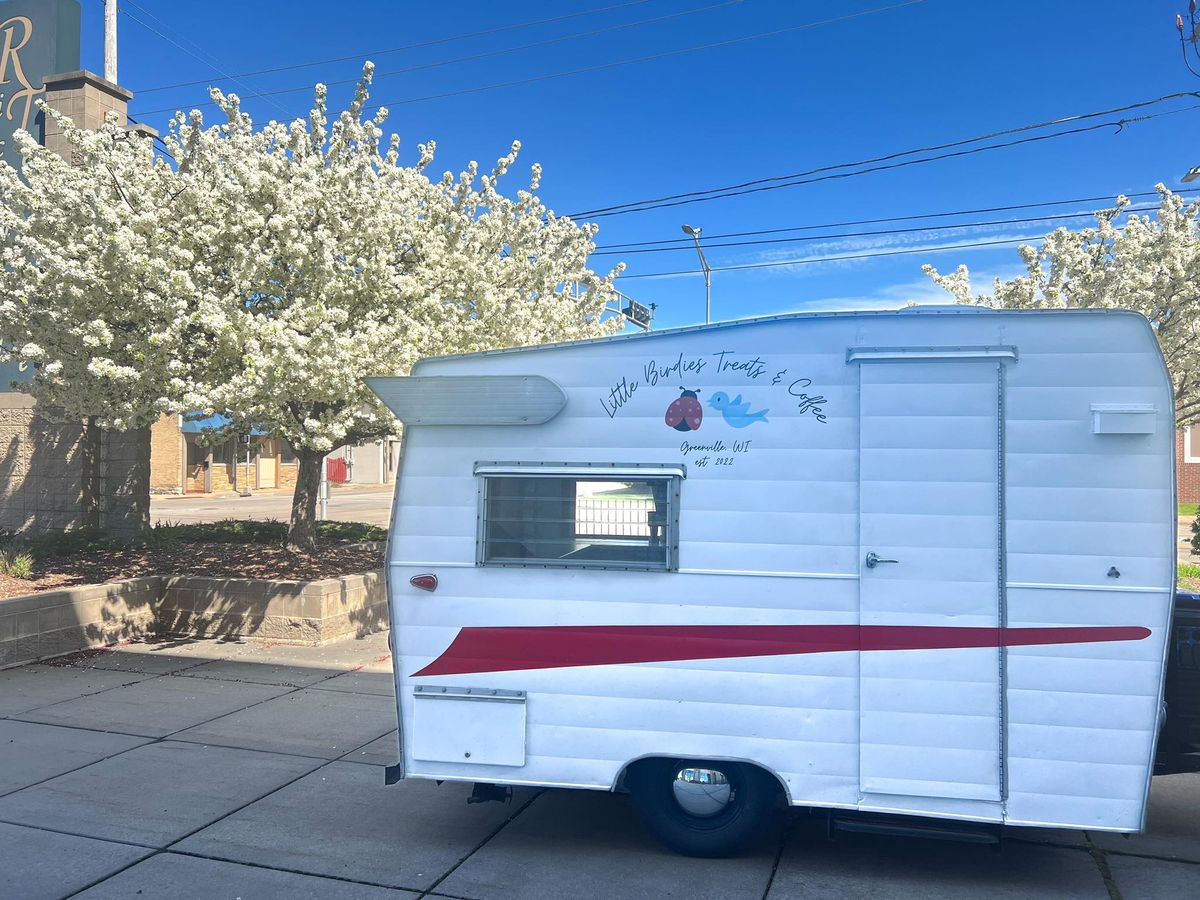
x,y
751,815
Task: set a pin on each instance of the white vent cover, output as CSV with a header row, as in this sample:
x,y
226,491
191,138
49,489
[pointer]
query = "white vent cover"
x,y
1124,418
470,399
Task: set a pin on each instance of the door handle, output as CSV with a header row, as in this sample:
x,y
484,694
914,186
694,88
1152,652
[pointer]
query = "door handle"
x,y
874,559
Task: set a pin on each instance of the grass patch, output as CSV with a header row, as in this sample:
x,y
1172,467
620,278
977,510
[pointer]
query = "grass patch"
x,y
1188,577
168,534
1188,510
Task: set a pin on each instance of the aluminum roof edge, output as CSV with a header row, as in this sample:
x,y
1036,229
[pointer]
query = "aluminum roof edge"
x,y
926,310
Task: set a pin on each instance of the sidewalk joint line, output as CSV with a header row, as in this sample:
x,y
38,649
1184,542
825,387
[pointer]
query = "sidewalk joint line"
x,y
1172,859
487,838
783,839
167,848
78,834
147,737
1101,861
274,868
150,740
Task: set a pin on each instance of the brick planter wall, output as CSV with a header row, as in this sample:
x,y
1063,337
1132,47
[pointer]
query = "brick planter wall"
x,y
311,612
38,626
53,623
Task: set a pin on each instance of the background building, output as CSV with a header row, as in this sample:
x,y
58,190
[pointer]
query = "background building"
x,y
1187,465
184,459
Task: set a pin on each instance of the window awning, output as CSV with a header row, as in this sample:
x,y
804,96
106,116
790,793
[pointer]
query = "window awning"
x,y
197,423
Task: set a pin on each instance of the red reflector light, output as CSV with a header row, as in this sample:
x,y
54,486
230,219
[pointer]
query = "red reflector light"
x,y
424,582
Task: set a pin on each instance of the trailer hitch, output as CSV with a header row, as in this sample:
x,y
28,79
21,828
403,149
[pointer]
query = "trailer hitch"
x,y
485,793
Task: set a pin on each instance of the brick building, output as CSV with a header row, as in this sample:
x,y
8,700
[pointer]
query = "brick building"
x,y
1187,465
183,461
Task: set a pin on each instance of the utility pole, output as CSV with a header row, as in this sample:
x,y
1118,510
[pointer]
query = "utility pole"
x,y
110,41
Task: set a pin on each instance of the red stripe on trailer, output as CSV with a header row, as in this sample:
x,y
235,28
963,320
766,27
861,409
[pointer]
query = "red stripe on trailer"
x,y
510,649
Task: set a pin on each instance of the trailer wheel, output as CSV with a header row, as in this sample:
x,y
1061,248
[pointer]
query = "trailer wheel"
x,y
708,809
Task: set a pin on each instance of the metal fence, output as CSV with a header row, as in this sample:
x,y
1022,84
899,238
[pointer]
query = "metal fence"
x,y
613,518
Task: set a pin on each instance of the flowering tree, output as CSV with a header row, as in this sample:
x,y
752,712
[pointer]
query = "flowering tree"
x,y
94,290
1149,264
270,270
95,296
327,261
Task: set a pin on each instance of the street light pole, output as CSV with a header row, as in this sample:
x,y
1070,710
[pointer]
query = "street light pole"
x,y
695,233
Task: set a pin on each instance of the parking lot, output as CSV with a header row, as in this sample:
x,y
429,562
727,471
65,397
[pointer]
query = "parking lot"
x,y
210,769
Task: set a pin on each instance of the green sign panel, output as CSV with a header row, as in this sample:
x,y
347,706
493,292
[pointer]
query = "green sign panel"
x,y
37,38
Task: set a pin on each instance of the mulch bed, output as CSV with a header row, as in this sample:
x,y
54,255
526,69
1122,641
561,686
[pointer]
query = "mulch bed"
x,y
216,560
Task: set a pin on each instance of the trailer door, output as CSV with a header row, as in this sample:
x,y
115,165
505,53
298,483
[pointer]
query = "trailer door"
x,y
930,544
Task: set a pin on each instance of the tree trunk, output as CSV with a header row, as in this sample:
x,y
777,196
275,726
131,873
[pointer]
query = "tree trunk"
x,y
89,453
302,533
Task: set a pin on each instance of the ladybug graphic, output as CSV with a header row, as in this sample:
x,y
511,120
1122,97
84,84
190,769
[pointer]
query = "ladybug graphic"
x,y
685,413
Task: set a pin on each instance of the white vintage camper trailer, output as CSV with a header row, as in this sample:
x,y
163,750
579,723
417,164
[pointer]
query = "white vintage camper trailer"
x,y
915,562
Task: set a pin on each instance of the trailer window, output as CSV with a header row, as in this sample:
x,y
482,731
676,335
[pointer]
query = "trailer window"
x,y
551,520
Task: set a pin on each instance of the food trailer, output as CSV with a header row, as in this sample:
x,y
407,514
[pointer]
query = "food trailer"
x,y
916,562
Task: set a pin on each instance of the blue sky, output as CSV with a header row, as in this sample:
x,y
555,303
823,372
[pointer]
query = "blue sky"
x,y
922,74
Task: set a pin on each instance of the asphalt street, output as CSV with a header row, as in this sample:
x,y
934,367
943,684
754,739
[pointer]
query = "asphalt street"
x,y
372,505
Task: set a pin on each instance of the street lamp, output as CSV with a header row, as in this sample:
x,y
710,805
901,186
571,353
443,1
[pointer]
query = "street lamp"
x,y
1192,174
695,233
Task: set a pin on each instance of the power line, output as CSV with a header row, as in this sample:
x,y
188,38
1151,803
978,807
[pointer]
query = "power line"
x,y
627,62
156,137
1104,198
430,43
780,181
1118,124
652,57
200,53
487,54
180,46
886,231
809,260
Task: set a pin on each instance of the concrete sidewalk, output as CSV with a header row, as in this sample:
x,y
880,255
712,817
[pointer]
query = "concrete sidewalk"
x,y
208,769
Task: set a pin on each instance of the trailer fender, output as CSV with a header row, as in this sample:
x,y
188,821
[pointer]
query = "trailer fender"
x,y
618,784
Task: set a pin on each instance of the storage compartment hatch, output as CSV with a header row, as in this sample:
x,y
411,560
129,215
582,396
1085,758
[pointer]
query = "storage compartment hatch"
x,y
479,726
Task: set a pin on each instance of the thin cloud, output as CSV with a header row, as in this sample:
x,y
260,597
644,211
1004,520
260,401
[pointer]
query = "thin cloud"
x,y
822,260
921,291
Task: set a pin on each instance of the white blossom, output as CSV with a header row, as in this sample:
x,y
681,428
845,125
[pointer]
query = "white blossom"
x,y
263,273
1151,264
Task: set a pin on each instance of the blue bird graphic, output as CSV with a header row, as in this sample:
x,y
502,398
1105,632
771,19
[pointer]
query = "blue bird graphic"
x,y
736,412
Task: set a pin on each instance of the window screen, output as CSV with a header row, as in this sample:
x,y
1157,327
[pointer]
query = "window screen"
x,y
555,520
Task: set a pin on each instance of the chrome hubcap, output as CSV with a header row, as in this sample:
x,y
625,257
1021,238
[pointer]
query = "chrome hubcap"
x,y
702,792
